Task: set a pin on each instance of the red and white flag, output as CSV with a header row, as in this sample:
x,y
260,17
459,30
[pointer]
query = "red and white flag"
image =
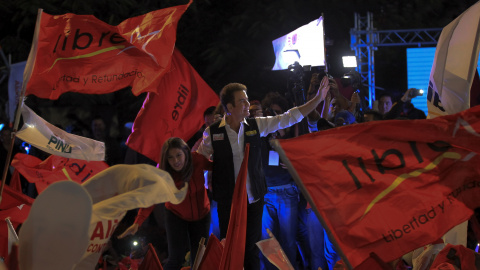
x,y
175,110
80,53
389,187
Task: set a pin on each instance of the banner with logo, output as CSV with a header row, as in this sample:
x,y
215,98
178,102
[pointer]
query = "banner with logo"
x,y
54,169
454,65
79,53
118,189
176,110
56,141
390,186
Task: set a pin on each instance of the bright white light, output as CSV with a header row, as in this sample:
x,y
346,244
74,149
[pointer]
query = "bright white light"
x,y
349,61
135,243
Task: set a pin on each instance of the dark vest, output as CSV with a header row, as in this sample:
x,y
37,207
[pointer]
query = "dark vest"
x,y
223,174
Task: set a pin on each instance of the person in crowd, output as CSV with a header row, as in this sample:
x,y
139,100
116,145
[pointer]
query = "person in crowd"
x,y
219,113
404,109
280,213
384,104
185,223
255,109
225,141
208,118
112,147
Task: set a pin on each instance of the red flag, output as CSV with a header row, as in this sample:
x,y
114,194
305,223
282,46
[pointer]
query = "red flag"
x,y
213,254
79,53
150,261
177,110
16,206
272,250
389,187
55,168
234,251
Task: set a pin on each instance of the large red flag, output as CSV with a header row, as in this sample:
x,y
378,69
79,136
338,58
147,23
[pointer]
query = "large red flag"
x,y
55,168
176,111
389,187
79,53
234,251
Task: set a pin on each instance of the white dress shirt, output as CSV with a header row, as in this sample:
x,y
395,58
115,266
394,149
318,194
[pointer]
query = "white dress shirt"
x,y
266,125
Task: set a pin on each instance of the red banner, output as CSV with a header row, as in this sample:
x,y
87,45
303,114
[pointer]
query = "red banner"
x,y
79,53
176,111
55,168
389,187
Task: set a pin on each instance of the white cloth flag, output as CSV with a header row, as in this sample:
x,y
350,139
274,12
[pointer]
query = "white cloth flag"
x,y
118,189
47,137
15,81
454,65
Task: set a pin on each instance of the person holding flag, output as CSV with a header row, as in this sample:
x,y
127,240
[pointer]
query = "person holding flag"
x,y
225,141
185,223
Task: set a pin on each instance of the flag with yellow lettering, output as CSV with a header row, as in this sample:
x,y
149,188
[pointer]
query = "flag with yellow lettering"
x,y
176,110
54,169
80,53
390,186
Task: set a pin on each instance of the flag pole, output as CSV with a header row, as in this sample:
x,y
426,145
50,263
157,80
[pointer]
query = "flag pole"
x,y
26,77
276,145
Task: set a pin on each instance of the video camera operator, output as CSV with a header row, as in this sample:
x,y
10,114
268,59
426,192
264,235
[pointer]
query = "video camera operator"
x,y
404,109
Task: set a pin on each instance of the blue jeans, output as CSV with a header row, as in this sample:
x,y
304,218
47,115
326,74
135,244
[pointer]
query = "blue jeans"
x,y
323,250
317,244
280,216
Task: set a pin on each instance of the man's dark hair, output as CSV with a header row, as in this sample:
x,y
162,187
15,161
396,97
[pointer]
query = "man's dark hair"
x,y
227,95
275,98
210,110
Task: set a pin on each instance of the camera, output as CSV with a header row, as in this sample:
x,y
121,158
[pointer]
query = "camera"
x,y
414,92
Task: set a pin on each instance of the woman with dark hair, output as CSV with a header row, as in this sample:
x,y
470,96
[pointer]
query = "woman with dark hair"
x,y
185,223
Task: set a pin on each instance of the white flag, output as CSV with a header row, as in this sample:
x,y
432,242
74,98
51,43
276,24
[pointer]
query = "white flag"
x,y
47,137
118,189
454,65
15,81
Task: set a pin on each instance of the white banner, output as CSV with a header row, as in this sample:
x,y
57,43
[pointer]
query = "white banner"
x,y
118,189
56,141
15,81
454,65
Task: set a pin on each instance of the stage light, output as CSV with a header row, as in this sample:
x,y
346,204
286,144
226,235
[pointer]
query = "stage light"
x,y
349,61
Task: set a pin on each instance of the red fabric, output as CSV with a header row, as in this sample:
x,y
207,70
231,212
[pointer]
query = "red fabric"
x,y
391,186
234,251
44,173
11,261
15,206
98,58
460,255
373,262
150,261
176,111
15,183
212,255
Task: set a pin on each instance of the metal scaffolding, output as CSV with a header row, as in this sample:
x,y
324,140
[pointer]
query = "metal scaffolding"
x,y
365,40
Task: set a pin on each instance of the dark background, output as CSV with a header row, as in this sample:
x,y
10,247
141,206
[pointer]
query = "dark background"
x,y
228,41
